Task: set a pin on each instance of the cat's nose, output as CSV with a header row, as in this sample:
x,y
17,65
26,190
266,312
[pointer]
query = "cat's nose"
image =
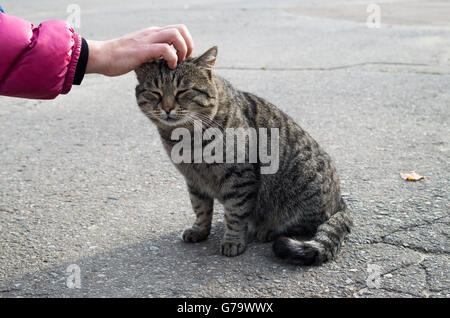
x,y
167,109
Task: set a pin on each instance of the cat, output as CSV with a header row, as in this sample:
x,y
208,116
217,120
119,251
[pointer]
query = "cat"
x,y
301,199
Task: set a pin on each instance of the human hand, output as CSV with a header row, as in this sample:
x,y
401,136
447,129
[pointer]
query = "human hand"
x,y
122,55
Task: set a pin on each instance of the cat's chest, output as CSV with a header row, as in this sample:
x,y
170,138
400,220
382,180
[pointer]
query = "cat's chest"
x,y
206,177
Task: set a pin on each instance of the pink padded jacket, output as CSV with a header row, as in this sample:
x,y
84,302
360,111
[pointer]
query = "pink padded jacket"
x,y
37,62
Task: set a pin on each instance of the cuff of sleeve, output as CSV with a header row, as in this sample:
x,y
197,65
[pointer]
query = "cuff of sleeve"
x,y
82,63
73,64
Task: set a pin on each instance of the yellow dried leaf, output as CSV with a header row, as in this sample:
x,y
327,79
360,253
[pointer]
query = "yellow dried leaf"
x,y
412,176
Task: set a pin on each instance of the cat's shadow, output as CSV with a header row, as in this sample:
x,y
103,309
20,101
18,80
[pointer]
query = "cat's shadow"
x,y
159,266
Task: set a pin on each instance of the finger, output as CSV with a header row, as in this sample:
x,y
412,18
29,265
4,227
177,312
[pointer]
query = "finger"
x,y
173,37
163,50
186,35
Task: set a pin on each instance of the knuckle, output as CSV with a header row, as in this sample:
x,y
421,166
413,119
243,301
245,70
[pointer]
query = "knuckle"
x,y
182,27
175,34
165,48
153,29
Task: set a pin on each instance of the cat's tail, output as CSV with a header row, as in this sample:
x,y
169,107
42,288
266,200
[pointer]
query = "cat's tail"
x,y
322,247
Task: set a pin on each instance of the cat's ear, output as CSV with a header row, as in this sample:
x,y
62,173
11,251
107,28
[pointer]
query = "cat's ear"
x,y
141,73
207,59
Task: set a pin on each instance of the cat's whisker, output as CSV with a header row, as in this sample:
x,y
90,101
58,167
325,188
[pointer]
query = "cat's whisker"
x,y
199,124
204,116
212,123
207,125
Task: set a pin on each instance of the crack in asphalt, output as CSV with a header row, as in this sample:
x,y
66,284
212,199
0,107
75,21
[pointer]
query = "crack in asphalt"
x,y
423,256
9,290
412,226
424,292
332,68
427,278
415,249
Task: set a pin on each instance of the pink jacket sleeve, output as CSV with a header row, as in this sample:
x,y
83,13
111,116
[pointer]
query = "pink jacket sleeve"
x,y
37,62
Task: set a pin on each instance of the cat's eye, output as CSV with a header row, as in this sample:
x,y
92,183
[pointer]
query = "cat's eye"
x,y
181,92
156,94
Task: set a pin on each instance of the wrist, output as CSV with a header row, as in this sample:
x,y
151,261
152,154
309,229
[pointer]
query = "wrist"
x,y
98,56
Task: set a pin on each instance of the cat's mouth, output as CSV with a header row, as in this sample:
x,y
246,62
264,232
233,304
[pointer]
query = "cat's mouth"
x,y
171,119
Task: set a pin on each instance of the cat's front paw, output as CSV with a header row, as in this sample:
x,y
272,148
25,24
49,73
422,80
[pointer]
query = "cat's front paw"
x,y
232,248
194,235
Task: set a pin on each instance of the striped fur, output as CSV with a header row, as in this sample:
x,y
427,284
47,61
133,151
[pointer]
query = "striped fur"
x,y
302,198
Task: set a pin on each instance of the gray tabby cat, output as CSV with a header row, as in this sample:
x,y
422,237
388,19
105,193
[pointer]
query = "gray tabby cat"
x,y
302,198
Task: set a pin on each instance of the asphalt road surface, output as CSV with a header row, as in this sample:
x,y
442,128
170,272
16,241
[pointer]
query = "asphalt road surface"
x,y
86,185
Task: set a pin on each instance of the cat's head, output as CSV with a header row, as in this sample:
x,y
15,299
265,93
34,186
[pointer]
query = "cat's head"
x,y
173,98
